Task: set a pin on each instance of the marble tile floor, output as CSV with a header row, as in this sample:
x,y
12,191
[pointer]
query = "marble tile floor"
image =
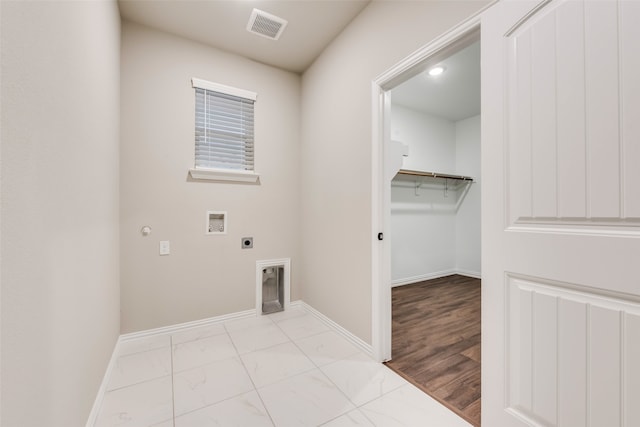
x,y
286,369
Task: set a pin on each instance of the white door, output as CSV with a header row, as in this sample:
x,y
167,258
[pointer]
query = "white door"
x,y
561,213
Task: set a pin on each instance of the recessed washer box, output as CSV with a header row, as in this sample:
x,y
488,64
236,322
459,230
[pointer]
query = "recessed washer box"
x,y
216,222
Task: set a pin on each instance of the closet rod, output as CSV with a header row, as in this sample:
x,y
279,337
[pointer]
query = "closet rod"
x,y
434,175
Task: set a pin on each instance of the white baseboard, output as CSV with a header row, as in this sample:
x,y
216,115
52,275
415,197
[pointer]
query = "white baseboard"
x,y
422,278
363,346
469,273
436,275
296,304
245,314
165,330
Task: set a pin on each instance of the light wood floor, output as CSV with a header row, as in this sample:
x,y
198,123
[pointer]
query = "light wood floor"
x,y
436,341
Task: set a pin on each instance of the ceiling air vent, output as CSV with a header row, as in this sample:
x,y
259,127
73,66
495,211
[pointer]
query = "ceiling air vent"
x,y
266,25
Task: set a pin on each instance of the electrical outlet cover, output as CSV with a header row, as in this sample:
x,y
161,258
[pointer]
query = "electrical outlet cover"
x,y
165,247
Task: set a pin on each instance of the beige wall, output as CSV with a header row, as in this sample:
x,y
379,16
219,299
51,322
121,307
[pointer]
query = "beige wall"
x,y
60,133
336,150
205,275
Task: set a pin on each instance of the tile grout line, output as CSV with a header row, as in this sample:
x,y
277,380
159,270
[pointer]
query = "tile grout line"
x,y
226,399
255,389
319,369
237,356
142,381
315,368
209,362
305,313
153,347
173,392
139,382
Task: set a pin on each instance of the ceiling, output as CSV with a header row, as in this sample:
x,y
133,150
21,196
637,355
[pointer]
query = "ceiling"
x,y
312,25
454,95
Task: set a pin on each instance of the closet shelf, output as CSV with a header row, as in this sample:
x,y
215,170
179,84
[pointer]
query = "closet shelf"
x,y
434,175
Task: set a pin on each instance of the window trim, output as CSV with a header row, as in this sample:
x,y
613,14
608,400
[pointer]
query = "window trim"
x,y
224,175
217,174
227,90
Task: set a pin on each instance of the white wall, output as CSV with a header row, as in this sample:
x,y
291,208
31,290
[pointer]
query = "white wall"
x,y
205,275
429,237
431,140
468,218
336,150
423,223
60,133
423,230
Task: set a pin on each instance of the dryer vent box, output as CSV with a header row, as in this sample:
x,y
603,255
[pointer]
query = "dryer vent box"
x,y
272,289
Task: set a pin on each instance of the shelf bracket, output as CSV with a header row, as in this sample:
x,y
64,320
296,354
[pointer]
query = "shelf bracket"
x,y
418,186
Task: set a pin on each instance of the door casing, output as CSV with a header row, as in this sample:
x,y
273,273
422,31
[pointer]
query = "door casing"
x,y
442,47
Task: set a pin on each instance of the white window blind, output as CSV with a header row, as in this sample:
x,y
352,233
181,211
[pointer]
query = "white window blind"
x,y
224,127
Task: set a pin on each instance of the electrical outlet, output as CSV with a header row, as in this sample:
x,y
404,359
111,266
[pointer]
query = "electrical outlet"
x,y
165,247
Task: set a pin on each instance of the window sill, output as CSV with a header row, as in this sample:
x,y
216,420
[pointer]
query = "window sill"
x,y
224,175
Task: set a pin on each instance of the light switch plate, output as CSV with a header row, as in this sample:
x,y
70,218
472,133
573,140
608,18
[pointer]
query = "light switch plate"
x,y
165,247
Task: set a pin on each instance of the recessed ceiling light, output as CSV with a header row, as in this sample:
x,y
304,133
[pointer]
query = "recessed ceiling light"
x,y
436,71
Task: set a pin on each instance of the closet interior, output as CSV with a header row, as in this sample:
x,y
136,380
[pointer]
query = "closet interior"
x,y
435,232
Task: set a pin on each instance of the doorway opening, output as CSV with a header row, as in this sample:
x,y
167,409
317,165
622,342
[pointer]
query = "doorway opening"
x,y
435,232
427,195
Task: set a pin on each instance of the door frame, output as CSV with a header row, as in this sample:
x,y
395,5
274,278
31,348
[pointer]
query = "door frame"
x,y
442,47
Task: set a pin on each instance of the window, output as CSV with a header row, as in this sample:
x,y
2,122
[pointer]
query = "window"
x,y
224,143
